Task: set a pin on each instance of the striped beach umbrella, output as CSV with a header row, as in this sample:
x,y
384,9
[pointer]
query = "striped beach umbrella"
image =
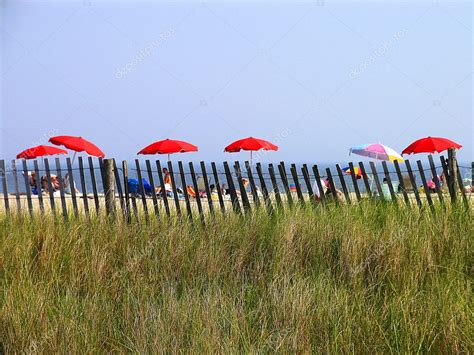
x,y
376,151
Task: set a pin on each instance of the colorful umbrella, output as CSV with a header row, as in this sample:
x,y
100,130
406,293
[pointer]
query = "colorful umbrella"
x,y
357,171
376,151
40,151
252,144
78,144
430,145
168,146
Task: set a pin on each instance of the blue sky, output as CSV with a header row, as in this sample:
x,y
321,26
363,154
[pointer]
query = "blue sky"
x,y
314,77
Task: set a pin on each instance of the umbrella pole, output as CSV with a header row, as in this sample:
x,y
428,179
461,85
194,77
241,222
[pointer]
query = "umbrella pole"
x,y
74,157
251,155
168,157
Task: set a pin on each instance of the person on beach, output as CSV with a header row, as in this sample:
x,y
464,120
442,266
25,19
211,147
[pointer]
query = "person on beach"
x,y
316,192
327,191
166,176
167,182
33,183
67,185
54,183
226,191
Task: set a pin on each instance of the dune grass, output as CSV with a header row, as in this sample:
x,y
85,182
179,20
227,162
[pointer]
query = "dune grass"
x,y
344,279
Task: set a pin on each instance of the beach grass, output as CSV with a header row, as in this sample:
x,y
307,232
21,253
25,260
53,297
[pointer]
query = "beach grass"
x,y
347,279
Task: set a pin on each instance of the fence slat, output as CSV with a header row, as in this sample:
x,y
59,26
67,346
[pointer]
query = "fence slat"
x,y
102,174
233,193
321,188
253,187
207,188
451,178
299,193
118,183
354,182
402,183
284,180
376,179
196,190
461,187
52,202
218,186
185,190
163,192
472,173
39,187
128,212
94,185
141,188
413,183
5,186
307,180
243,191
27,188
109,188
276,190
343,184
16,186
365,177
61,189
332,186
175,190
446,172
436,181
83,187
153,189
425,185
263,185
389,182
72,186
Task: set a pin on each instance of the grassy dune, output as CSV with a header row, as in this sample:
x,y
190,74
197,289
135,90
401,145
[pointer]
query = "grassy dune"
x,y
376,279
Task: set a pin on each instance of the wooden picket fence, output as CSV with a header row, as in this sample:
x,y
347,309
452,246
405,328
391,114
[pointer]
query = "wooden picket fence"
x,y
105,189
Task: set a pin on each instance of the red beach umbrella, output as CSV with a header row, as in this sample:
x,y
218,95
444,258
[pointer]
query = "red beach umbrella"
x,y
169,146
78,144
430,145
250,143
39,151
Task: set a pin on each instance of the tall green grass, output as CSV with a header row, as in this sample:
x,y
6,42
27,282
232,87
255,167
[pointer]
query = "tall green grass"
x,y
346,279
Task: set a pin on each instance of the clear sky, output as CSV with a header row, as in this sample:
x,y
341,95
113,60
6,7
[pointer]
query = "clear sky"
x,y
314,77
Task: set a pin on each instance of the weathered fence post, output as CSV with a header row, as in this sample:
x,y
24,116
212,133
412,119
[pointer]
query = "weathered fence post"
x,y
354,182
436,181
365,177
401,183
319,184
263,185
425,186
83,187
452,168
343,184
17,187
109,187
3,171
126,192
38,186
389,183
472,173
413,184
